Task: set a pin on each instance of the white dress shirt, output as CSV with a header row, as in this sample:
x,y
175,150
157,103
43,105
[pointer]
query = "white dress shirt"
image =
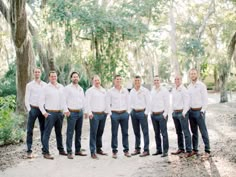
x,y
118,100
96,100
180,99
32,93
140,99
160,100
52,98
198,95
75,98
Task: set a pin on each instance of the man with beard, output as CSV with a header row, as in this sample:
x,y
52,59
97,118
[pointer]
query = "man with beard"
x,y
75,102
198,104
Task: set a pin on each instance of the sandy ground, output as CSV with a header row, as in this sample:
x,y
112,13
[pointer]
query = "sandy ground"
x,y
221,122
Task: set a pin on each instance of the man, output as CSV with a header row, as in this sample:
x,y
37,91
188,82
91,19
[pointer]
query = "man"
x,y
180,105
159,114
97,110
51,104
33,90
75,102
139,101
198,104
118,100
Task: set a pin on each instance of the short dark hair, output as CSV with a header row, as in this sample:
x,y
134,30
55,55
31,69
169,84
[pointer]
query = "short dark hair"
x,y
117,75
156,76
137,77
74,72
50,72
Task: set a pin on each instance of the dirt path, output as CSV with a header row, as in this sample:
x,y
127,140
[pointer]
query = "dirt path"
x,y
221,121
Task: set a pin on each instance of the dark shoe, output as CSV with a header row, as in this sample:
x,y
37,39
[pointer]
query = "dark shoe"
x,y
164,155
114,156
157,153
144,154
62,153
80,154
136,152
94,156
127,154
70,156
101,152
177,152
48,156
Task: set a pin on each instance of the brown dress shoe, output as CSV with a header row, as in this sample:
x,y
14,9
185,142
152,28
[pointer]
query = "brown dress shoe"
x,y
177,152
94,156
114,156
127,154
144,154
62,153
70,156
136,152
48,156
29,155
101,152
80,154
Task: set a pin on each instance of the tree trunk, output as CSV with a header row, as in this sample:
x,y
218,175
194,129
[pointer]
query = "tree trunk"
x,y
223,88
174,61
25,61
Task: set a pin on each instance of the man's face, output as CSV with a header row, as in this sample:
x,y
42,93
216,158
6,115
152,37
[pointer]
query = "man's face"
x,y
37,73
118,81
193,75
53,78
137,82
157,81
96,82
178,81
75,78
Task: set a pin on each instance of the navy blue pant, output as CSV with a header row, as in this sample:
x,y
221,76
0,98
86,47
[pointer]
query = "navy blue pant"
x,y
97,124
53,120
160,128
74,124
123,121
182,131
34,113
139,119
197,120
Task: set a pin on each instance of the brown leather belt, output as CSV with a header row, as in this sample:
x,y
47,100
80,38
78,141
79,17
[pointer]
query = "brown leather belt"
x,y
178,110
56,111
139,110
32,106
119,112
157,113
196,109
99,112
74,110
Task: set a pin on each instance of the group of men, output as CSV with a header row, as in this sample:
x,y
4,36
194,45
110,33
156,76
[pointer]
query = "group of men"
x,y
50,102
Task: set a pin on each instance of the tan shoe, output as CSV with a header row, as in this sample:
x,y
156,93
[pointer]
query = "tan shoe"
x,y
114,156
136,152
127,154
70,156
48,156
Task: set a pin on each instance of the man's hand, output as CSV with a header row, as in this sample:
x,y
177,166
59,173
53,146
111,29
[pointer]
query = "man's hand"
x,y
46,115
90,116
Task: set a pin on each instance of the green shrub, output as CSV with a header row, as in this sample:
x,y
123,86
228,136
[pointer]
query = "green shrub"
x,y
11,130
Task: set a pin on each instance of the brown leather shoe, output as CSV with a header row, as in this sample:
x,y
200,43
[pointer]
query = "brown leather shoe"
x,y
80,153
114,155
136,152
177,152
70,156
62,153
101,152
144,154
127,154
48,156
189,154
29,155
94,156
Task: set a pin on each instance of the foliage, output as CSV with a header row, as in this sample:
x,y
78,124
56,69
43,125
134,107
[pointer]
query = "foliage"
x,y
10,122
8,82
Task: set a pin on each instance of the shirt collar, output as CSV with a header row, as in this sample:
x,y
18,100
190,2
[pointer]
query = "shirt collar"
x,y
78,86
101,89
